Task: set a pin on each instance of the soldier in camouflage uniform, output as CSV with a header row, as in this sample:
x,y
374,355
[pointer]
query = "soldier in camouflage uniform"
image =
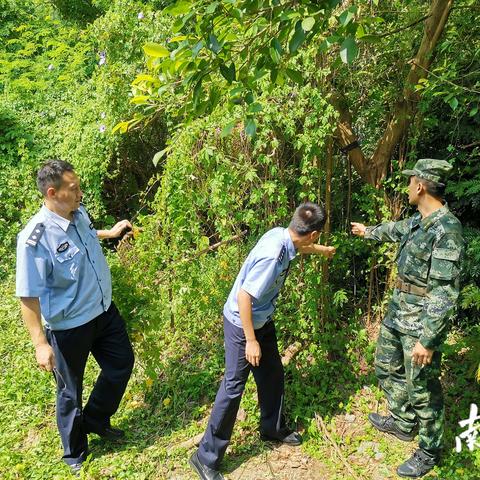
x,y
408,355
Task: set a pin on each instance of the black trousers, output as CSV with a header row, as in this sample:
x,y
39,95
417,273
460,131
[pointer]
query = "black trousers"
x,y
106,338
269,378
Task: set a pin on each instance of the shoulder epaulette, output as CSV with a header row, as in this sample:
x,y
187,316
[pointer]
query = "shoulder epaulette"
x,y
281,254
36,235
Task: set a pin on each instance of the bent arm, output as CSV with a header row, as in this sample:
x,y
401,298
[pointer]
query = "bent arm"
x,y
118,229
317,248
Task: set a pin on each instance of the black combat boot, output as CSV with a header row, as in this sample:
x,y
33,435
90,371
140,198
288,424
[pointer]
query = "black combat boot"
x,y
387,424
418,465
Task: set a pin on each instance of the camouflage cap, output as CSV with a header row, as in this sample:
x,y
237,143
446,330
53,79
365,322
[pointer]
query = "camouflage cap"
x,y
430,169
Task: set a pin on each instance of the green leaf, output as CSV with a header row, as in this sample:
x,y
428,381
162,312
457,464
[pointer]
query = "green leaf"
x,y
348,50
273,75
308,23
275,43
294,75
178,8
140,99
196,48
371,38
228,72
211,8
237,14
346,17
213,44
249,98
159,155
274,55
453,103
143,77
122,126
178,38
197,91
156,50
227,129
473,111
254,108
250,127
297,38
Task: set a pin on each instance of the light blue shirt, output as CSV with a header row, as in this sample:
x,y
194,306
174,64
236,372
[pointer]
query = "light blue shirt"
x,y
66,269
262,276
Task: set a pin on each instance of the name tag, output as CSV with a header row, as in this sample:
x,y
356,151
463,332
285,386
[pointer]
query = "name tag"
x,y
67,254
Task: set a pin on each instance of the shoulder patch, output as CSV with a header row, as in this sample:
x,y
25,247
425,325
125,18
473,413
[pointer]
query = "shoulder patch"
x,y
62,247
282,254
36,235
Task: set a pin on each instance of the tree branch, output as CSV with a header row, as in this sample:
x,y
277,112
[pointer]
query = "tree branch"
x,y
407,104
373,170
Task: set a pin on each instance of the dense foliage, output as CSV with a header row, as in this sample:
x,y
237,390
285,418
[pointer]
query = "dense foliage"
x,y
228,121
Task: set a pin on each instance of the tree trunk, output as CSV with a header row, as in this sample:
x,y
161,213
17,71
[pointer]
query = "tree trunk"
x,y
374,169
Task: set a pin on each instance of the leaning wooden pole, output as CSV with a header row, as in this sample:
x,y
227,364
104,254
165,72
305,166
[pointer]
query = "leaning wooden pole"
x,y
328,225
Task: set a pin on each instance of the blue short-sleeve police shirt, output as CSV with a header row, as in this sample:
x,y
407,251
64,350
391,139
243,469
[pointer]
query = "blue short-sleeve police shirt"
x,y
61,262
262,276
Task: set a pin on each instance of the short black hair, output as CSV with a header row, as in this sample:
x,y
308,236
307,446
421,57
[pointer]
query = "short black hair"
x,y
435,189
51,173
308,217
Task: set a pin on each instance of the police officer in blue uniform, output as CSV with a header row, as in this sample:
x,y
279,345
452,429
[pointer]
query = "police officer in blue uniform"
x,y
250,338
63,277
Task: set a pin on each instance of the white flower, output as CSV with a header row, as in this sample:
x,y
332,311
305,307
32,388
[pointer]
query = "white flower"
x,y
103,58
103,115
102,128
51,67
140,16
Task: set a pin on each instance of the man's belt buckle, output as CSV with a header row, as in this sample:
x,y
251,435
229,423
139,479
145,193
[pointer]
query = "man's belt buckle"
x,y
410,288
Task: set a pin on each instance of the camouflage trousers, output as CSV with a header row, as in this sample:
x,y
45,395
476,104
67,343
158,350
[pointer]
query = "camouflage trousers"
x,y
414,393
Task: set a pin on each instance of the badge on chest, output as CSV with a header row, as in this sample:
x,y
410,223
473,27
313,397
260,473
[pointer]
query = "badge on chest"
x,y
62,247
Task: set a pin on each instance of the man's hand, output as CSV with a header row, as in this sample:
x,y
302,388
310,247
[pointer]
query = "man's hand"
x,y
253,352
421,355
358,229
328,252
119,228
45,357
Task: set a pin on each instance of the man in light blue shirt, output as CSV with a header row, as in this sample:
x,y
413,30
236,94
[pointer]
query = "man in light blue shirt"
x,y
62,276
262,276
250,338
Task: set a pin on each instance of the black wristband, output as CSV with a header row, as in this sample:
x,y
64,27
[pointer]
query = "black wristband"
x,y
350,146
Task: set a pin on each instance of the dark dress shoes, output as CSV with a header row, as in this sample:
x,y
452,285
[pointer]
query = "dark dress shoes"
x,y
204,472
418,465
387,424
108,433
288,437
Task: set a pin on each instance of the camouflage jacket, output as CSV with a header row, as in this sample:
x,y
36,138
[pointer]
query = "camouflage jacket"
x,y
430,255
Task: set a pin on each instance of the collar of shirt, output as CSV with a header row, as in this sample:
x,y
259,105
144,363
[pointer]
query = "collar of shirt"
x,y
289,244
427,222
62,222
416,220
